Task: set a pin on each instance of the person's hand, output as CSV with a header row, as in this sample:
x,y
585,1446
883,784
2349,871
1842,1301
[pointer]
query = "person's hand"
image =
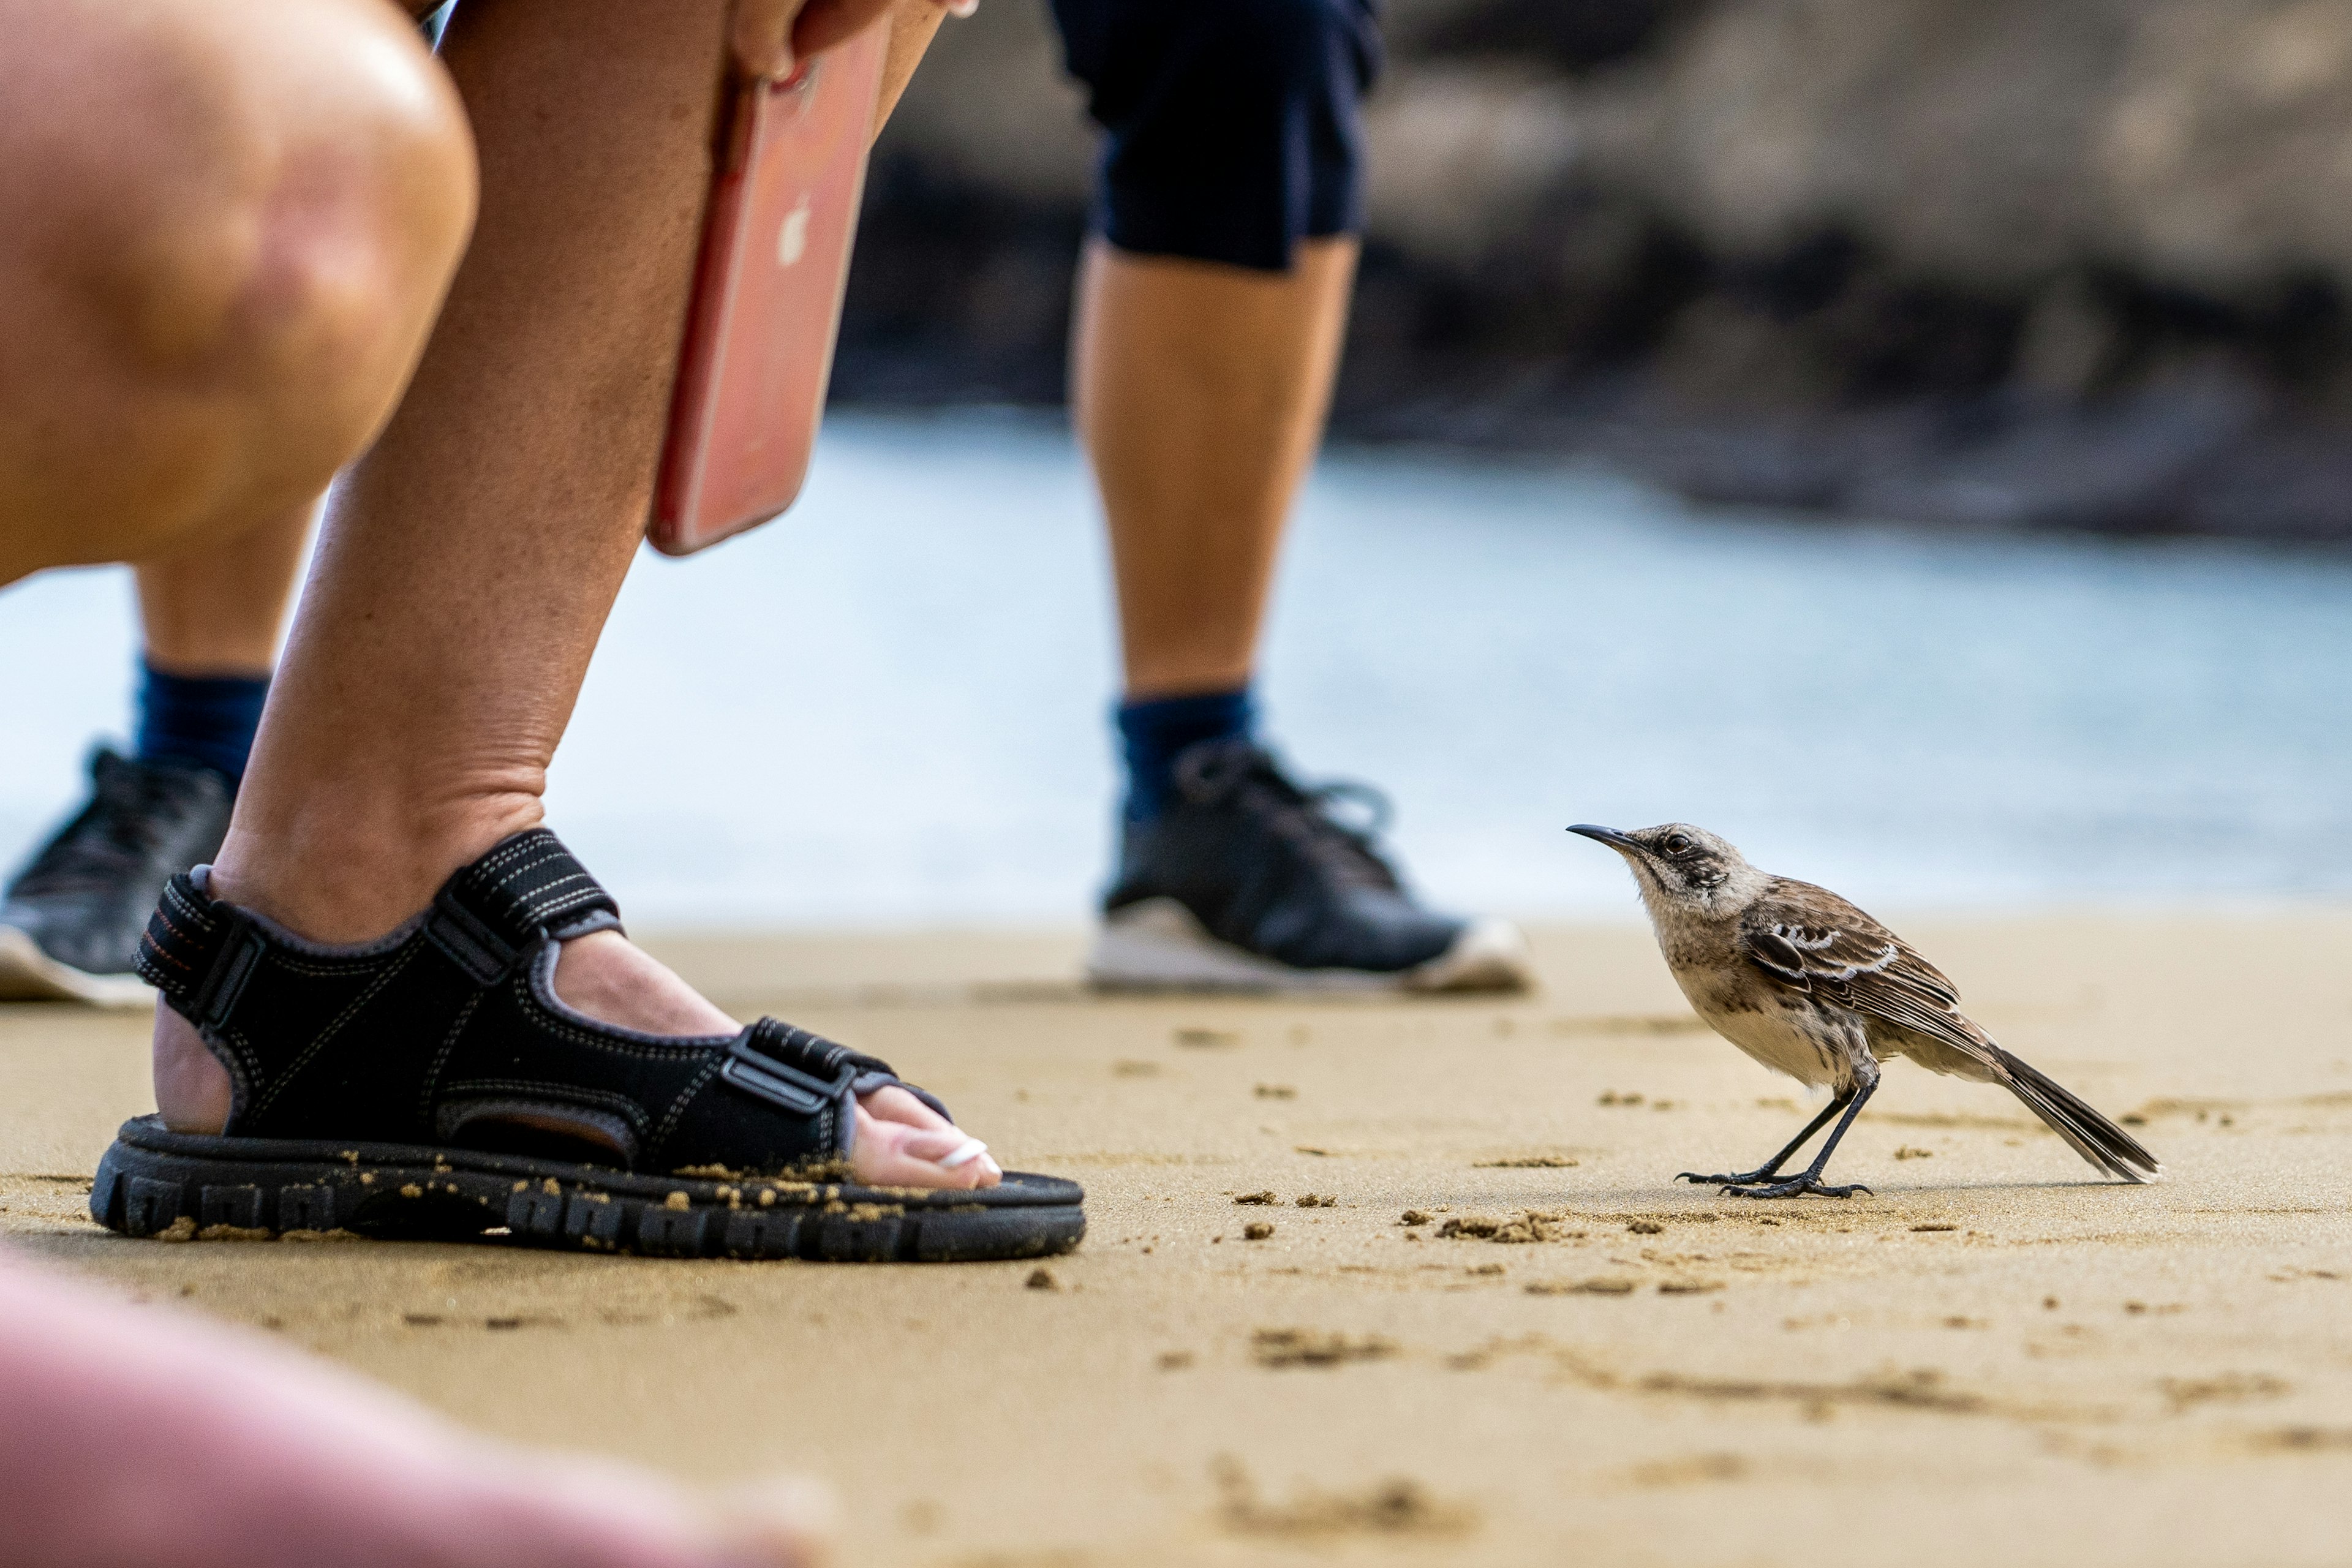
x,y
768,38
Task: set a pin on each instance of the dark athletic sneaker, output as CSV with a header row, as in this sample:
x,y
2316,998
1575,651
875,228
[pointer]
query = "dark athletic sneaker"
x,y
70,923
1247,882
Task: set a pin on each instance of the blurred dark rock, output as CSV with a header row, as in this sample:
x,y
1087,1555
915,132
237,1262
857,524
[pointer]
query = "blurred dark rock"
x,y
1988,263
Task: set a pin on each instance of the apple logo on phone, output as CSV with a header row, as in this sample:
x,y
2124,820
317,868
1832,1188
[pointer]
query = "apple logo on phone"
x,y
792,240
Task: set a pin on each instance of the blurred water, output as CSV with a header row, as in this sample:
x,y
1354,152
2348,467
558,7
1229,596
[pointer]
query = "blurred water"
x,y
891,706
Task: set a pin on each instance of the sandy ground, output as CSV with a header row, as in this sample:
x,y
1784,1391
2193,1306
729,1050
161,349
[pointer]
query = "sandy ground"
x,y
1992,1360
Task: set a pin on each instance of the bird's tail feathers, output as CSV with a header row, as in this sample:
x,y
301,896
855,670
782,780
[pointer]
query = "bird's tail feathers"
x,y
2092,1136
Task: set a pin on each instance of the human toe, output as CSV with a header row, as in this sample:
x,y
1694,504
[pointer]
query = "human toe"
x,y
892,1103
895,1154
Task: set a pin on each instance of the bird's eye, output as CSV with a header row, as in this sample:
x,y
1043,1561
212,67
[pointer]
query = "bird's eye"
x,y
1676,842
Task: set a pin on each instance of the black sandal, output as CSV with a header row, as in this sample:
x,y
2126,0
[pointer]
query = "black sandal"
x,y
432,1085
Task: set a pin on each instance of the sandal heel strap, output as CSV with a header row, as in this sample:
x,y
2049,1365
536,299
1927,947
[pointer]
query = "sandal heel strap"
x,y
182,942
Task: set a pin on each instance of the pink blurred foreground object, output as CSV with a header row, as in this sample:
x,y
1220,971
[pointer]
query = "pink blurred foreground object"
x,y
138,1435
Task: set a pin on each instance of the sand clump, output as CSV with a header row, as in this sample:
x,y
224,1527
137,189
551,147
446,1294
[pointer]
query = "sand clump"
x,y
2304,1439
1526,1226
1595,1287
1395,1507
2230,1388
1317,1347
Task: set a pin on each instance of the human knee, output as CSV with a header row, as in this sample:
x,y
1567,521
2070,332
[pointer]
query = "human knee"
x,y
260,208
221,247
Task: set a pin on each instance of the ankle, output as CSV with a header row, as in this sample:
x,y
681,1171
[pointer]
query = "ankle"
x,y
348,873
1155,730
204,719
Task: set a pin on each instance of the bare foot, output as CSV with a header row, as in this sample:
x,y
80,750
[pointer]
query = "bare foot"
x,y
140,1435
900,1142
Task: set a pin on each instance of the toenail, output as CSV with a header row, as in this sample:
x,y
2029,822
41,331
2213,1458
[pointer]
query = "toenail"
x,y
972,1149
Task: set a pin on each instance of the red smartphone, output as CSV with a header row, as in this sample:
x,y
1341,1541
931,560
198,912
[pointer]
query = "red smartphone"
x,y
767,297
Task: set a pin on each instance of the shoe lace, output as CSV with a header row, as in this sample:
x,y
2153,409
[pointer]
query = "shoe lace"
x,y
1249,779
114,836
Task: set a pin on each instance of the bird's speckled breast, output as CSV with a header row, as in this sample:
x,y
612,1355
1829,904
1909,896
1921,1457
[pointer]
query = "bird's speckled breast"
x,y
1786,1031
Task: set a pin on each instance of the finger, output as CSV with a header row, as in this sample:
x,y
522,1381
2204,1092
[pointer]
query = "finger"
x,y
759,36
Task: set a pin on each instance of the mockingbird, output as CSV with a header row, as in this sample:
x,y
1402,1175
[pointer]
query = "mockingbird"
x,y
1810,985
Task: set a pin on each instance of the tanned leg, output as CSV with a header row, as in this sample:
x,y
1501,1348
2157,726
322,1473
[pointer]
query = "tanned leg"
x,y
1202,391
217,610
469,560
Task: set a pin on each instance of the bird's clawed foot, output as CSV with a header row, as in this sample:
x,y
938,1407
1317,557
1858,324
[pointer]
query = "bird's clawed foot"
x,y
1750,1179
1807,1184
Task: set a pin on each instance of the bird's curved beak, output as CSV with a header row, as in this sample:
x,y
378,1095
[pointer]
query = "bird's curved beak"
x,y
1609,835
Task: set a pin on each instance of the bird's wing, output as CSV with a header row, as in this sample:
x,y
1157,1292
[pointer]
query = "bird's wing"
x,y
1810,939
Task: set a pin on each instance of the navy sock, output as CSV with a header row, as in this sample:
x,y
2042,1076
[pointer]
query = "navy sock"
x,y
1157,732
199,721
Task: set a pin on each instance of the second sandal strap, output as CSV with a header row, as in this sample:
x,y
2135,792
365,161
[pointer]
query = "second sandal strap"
x,y
802,1072
528,888
792,1067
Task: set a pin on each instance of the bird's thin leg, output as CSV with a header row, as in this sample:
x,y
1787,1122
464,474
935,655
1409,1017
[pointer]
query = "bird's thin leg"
x,y
1810,1181
1771,1167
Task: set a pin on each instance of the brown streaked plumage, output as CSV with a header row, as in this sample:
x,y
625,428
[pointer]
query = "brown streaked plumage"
x,y
1808,984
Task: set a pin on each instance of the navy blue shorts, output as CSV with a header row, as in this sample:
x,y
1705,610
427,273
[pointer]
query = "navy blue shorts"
x,y
1231,127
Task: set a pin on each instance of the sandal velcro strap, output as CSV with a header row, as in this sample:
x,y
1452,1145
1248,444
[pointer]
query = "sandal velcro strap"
x,y
527,889
802,1072
794,1068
